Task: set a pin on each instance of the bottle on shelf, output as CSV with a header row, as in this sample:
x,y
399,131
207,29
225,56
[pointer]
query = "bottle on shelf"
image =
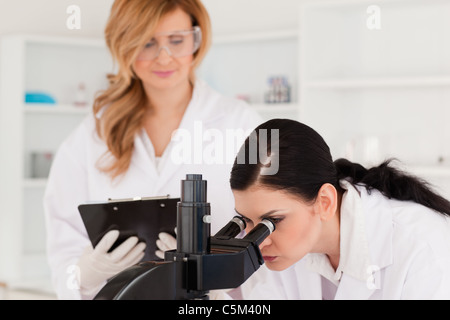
x,y
81,100
278,91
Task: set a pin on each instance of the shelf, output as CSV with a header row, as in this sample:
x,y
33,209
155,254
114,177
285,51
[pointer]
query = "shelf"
x,y
275,107
70,41
255,37
426,171
431,171
55,109
389,82
34,182
345,3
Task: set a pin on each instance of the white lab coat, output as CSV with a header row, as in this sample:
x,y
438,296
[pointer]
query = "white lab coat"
x,y
408,252
74,178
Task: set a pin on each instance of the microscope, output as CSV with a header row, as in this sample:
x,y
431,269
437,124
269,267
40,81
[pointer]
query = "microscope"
x,y
200,263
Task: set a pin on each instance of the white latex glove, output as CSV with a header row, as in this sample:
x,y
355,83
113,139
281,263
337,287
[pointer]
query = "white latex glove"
x,y
97,265
165,242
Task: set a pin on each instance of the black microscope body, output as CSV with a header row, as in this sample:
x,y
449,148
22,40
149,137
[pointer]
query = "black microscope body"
x,y
200,263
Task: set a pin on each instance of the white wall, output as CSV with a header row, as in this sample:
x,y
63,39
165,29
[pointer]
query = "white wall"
x,y
235,16
231,16
49,17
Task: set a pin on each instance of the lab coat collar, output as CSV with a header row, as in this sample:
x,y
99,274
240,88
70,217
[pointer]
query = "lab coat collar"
x,y
146,159
378,230
354,258
364,253
204,105
373,226
308,281
144,147
354,251
379,227
201,109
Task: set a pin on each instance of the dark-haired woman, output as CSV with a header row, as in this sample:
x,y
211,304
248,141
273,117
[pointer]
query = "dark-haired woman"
x,y
342,231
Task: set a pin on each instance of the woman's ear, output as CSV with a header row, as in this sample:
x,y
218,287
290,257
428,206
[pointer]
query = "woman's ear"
x,y
326,202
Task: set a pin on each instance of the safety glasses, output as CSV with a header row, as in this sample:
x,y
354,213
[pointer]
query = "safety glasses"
x,y
177,44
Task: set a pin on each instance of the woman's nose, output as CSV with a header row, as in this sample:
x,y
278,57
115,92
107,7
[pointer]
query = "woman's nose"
x,y
164,56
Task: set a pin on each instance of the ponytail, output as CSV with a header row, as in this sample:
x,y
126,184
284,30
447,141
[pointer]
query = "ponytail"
x,y
393,183
306,164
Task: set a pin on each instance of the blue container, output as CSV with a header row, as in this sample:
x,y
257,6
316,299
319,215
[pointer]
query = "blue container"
x,y
38,97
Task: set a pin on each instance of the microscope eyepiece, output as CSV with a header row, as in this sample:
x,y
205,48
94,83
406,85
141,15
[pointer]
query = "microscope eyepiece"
x,y
269,224
240,222
233,228
262,230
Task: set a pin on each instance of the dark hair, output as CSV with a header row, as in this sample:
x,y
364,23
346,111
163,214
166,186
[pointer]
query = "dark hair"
x,y
305,164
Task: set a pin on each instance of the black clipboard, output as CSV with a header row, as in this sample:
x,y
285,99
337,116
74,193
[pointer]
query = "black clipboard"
x,y
141,217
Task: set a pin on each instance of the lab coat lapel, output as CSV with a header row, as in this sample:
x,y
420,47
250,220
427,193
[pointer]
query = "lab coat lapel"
x,y
200,115
379,233
309,283
314,283
144,155
169,166
379,227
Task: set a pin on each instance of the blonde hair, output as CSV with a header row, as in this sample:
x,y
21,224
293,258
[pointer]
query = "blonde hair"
x,y
120,109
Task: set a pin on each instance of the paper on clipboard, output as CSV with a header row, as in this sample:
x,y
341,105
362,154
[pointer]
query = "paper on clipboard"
x,y
141,217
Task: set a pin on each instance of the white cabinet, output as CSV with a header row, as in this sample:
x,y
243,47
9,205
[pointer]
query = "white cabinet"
x,y
241,65
379,93
56,67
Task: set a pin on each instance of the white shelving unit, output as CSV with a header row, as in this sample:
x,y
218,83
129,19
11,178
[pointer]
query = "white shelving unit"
x,y
240,64
54,66
54,110
377,94
361,83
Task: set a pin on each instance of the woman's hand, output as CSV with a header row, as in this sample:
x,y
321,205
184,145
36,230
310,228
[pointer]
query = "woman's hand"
x,y
165,242
97,265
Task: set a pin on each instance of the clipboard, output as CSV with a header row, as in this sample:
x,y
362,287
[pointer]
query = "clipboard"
x,y
141,217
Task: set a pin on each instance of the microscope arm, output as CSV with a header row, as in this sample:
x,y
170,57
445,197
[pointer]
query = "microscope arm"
x,y
231,262
146,281
201,263
182,277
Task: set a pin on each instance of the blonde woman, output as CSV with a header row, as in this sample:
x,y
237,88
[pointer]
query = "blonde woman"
x,y
154,124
